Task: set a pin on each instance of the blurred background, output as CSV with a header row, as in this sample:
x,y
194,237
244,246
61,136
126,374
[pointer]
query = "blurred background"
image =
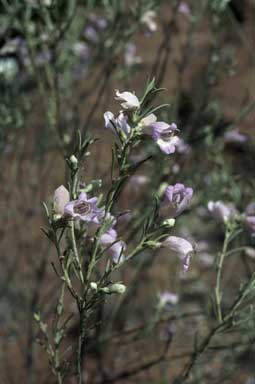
x,y
60,64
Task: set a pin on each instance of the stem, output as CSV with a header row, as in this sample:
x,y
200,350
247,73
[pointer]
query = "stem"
x,y
217,290
76,254
80,348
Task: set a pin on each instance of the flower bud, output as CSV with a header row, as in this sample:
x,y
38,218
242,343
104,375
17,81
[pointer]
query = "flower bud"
x,y
93,286
114,288
169,223
73,162
60,199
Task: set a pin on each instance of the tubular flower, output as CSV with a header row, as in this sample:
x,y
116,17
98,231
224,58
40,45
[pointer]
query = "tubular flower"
x,y
182,247
129,100
221,211
115,251
176,199
84,209
117,124
164,135
60,199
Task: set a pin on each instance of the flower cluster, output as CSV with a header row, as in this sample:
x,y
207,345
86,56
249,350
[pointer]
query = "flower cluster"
x,y
86,210
163,134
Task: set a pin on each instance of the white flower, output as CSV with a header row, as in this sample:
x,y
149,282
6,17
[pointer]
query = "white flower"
x,y
130,101
130,56
117,124
148,120
168,299
60,199
148,20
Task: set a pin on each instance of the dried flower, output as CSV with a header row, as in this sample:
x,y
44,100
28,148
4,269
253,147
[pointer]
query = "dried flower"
x,y
84,209
129,100
176,199
60,199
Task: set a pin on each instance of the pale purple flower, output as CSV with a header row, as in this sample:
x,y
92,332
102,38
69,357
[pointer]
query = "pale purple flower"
x,y
183,248
235,137
176,199
250,218
130,57
129,100
115,251
117,124
91,34
184,9
221,211
164,135
60,199
84,208
176,168
148,20
99,21
183,148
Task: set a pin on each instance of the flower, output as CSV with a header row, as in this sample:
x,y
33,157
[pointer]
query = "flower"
x,y
130,57
168,299
148,21
163,134
235,137
250,217
82,51
184,9
115,251
60,199
176,199
221,211
183,148
84,209
91,34
182,247
130,101
117,124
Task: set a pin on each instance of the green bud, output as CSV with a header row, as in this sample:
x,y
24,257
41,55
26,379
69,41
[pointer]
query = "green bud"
x,y
74,162
169,223
153,244
114,288
93,286
162,189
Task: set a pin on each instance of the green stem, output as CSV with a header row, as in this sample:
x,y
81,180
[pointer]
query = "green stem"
x,y
219,267
76,254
